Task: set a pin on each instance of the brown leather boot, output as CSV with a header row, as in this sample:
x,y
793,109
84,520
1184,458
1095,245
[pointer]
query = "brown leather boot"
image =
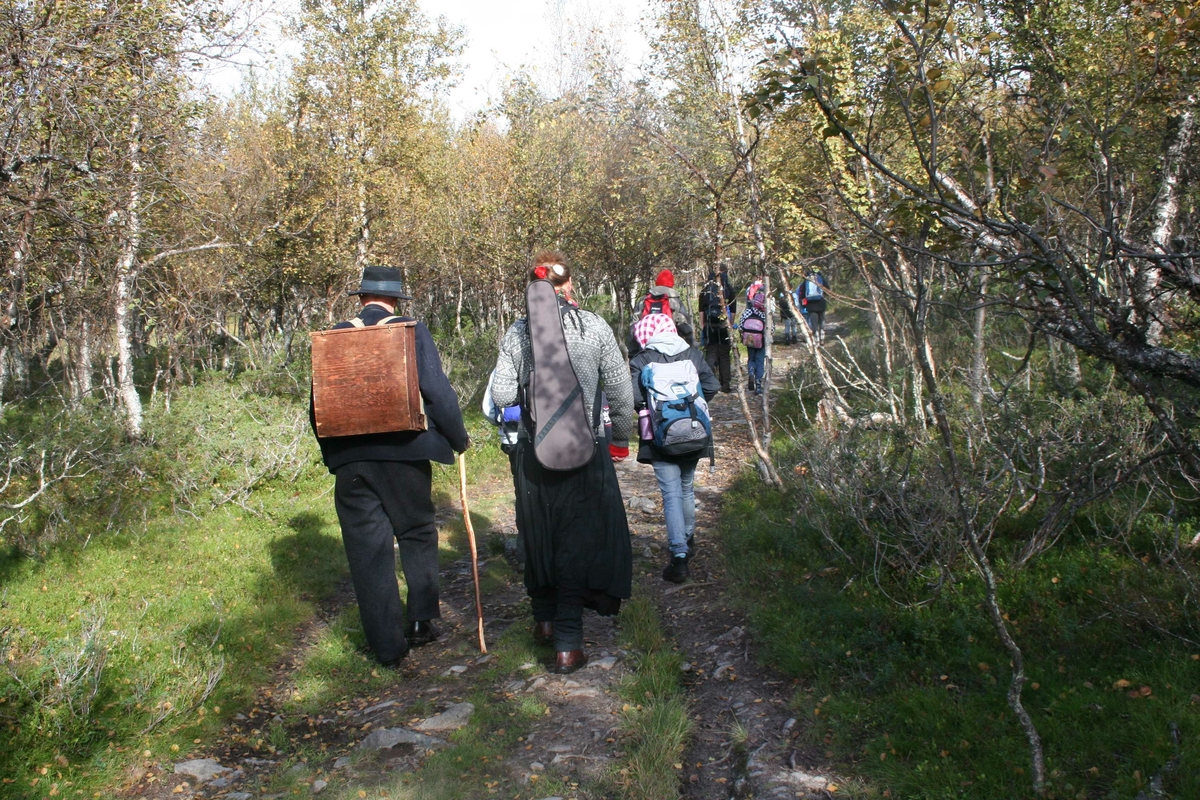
x,y
543,632
568,661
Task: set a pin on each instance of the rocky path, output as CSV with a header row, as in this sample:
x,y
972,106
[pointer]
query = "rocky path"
x,y
743,733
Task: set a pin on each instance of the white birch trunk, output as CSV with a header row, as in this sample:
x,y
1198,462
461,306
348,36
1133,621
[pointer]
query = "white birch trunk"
x,y
363,249
1151,297
131,239
978,345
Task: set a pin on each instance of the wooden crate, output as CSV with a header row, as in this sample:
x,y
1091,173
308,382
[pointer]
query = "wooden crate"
x,y
365,380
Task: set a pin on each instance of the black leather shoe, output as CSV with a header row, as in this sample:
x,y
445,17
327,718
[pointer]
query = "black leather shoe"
x,y
543,632
421,632
568,661
395,662
676,570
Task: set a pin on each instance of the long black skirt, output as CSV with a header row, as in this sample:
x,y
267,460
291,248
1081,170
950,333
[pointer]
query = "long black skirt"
x,y
575,530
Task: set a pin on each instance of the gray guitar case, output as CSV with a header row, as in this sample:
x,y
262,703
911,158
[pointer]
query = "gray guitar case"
x,y
563,436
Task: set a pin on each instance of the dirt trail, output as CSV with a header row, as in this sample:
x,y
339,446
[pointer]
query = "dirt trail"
x,y
743,737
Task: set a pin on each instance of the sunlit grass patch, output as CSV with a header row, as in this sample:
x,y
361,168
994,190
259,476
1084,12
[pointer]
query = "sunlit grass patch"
x,y
912,699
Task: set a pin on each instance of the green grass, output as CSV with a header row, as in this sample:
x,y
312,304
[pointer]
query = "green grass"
x,y
913,699
655,723
158,609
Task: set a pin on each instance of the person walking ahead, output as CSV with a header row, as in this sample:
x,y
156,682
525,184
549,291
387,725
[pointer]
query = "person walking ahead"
x,y
812,300
674,471
383,490
714,316
577,546
755,329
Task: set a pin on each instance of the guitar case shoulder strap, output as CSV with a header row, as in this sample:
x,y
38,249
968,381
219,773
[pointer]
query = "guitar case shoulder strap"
x,y
563,437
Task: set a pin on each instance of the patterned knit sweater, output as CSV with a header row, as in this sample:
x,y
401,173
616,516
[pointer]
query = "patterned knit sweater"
x,y
594,354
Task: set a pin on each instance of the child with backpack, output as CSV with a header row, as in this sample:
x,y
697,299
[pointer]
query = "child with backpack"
x,y
754,327
675,429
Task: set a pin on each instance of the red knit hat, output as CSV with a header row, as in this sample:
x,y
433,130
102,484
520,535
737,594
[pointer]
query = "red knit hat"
x,y
665,278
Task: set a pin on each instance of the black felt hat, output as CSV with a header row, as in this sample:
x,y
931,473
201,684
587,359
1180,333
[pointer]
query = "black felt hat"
x,y
383,281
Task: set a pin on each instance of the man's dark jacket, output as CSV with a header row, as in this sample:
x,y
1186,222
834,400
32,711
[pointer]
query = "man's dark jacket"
x,y
446,434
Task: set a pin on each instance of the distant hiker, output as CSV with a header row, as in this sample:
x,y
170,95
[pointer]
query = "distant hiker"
x,y
555,362
382,491
663,299
672,386
812,299
755,328
789,317
715,317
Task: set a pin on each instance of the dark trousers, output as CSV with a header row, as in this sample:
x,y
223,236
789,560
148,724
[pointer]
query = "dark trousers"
x,y
380,503
717,356
567,619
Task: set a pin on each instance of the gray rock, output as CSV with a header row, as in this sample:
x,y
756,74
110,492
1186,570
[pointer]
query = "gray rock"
x,y
453,718
804,780
258,762
647,553
387,738
514,686
560,748
685,666
527,666
278,720
457,669
202,769
379,707
295,770
319,786
585,691
537,766
791,723
605,664
537,684
238,796
240,717
344,761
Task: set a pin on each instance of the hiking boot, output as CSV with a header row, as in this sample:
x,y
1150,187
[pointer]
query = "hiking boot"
x,y
421,632
691,546
677,570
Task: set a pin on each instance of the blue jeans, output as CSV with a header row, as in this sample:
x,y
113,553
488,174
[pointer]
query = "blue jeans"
x,y
679,502
756,363
789,328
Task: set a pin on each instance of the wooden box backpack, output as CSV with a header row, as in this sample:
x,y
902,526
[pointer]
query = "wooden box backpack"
x,y
365,380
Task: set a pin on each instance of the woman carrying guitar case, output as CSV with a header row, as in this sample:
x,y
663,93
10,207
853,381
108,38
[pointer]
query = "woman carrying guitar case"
x,y
555,362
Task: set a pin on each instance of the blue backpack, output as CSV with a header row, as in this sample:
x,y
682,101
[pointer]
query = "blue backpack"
x,y
678,412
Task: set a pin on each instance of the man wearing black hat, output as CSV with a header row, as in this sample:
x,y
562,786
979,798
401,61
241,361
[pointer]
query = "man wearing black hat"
x,y
383,486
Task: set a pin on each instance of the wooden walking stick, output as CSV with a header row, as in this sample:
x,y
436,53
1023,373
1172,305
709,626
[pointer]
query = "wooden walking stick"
x,y
462,493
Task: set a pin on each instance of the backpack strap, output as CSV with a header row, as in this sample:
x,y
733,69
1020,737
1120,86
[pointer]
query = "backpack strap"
x,y
358,323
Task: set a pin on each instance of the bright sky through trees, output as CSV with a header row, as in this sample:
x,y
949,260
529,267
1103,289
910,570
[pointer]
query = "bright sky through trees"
x,y
500,37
